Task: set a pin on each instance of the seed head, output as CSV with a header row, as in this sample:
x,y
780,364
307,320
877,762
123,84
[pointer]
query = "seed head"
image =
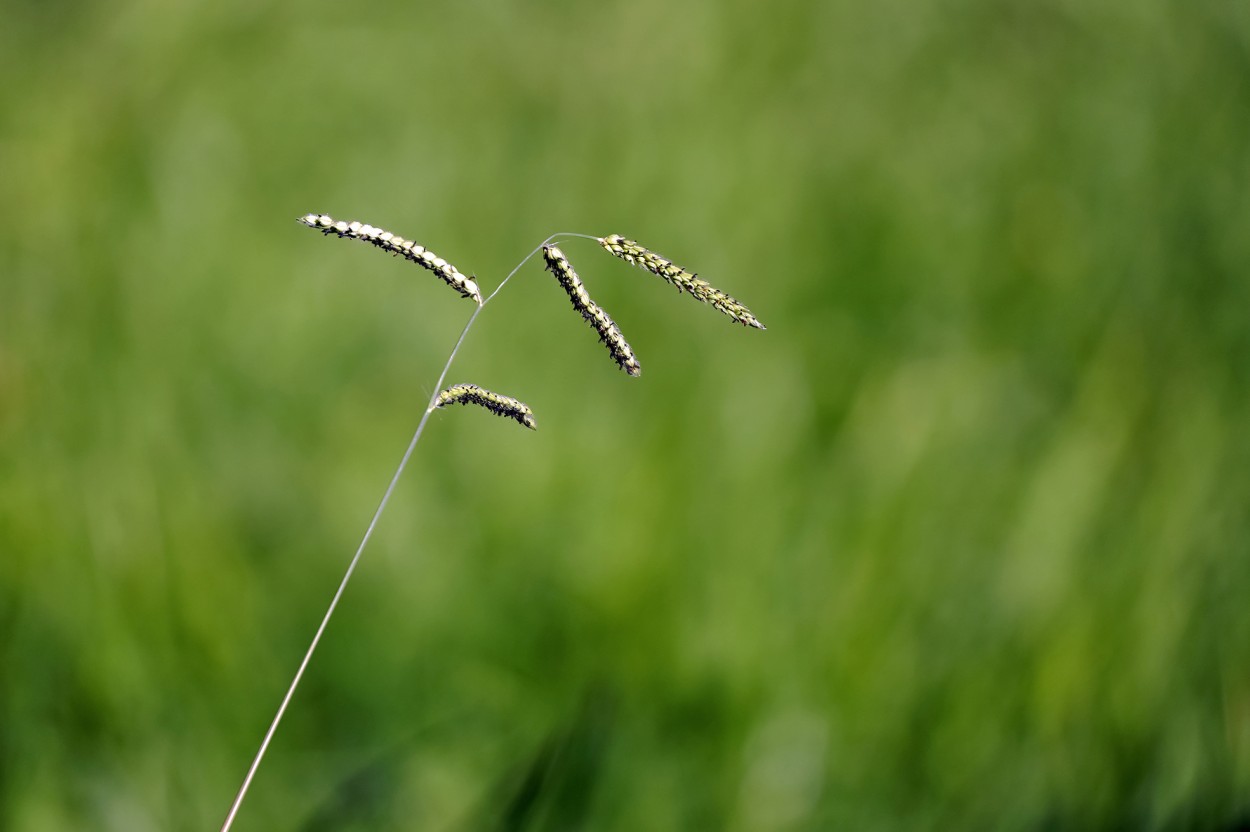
x,y
495,403
395,244
609,332
684,280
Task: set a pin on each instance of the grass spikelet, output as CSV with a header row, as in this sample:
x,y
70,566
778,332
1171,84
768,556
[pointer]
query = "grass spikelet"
x,y
495,403
684,280
609,333
395,244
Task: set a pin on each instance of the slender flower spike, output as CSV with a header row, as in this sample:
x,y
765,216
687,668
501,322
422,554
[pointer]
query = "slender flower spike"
x,y
609,332
636,255
395,244
495,403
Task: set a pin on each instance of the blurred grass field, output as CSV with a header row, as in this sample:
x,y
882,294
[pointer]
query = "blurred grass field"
x,y
961,542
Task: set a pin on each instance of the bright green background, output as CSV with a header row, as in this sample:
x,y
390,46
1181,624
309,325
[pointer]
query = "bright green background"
x,y
961,542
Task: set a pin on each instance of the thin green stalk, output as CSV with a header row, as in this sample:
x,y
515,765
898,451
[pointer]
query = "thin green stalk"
x,y
351,567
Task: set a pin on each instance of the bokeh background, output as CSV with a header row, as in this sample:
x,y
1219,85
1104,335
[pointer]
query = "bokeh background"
x,y
961,542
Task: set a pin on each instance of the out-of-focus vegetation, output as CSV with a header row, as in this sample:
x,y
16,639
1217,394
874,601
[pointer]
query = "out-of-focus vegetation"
x,y
961,542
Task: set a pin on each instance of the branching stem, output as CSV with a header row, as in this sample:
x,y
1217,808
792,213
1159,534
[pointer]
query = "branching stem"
x,y
351,567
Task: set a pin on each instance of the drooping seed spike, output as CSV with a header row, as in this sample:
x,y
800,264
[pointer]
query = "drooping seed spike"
x,y
495,403
687,281
609,333
394,244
